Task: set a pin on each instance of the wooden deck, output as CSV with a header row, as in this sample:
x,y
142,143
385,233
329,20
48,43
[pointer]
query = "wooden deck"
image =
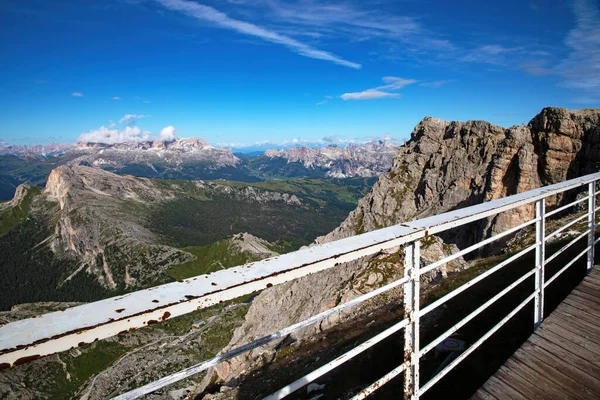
x,y
561,359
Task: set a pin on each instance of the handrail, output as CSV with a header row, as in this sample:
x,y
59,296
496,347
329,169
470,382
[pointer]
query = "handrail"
x,y
28,339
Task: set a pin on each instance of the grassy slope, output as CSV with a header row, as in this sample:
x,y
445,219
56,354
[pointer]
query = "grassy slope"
x,y
210,258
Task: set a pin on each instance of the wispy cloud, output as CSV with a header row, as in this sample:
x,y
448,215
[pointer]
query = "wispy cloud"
x,y
209,14
132,118
489,54
535,68
581,68
368,94
77,94
436,84
344,18
115,98
320,103
392,84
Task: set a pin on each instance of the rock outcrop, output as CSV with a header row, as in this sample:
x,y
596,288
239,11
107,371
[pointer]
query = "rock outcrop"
x,y
449,165
444,166
101,213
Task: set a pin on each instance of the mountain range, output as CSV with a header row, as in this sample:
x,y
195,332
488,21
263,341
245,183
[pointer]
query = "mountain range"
x,y
192,159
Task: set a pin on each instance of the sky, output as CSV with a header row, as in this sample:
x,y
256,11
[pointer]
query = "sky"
x,y
238,72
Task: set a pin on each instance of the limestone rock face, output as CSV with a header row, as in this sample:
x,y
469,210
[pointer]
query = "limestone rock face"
x,y
444,166
449,165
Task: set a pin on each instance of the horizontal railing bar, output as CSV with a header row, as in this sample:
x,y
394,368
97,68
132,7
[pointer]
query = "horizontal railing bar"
x,y
380,382
563,269
475,313
476,246
557,210
58,331
297,384
474,346
597,240
566,226
565,247
442,222
473,281
168,380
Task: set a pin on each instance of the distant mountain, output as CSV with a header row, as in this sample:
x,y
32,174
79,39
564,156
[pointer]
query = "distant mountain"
x,y
368,160
35,151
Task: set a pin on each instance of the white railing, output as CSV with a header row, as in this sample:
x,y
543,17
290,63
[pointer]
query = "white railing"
x,y
25,340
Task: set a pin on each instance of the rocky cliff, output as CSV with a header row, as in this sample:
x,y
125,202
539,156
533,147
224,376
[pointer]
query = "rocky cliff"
x,y
100,216
444,166
449,165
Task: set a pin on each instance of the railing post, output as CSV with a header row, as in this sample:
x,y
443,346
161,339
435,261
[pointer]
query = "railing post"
x,y
540,256
591,225
412,253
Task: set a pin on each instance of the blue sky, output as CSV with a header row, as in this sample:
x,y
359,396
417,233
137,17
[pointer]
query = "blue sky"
x,y
242,71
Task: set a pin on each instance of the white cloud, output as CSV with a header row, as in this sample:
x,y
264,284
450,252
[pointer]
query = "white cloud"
x,y
132,118
115,98
130,134
209,14
393,83
146,101
77,94
168,133
320,103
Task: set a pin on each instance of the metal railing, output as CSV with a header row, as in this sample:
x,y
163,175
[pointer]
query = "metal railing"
x,y
29,339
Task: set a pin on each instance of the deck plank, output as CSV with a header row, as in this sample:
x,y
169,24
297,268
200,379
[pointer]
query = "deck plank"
x,y
564,366
501,390
553,377
561,359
